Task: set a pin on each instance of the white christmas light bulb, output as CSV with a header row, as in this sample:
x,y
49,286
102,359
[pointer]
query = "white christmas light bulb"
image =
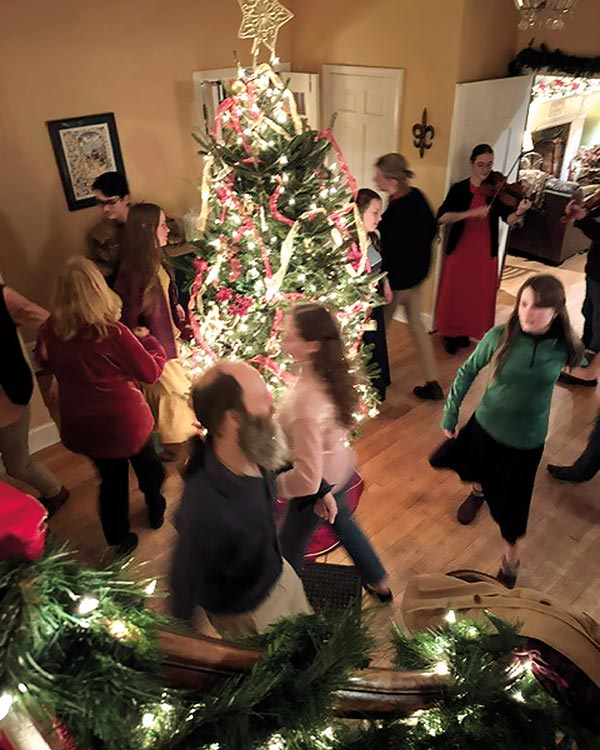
x,y
151,587
442,669
87,604
283,159
117,629
450,617
6,701
148,721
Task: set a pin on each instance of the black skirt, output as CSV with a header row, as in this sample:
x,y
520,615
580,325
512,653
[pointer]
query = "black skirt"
x,y
379,353
506,475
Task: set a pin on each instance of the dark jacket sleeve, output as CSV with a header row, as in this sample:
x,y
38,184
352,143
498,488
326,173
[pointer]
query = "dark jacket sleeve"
x,y
590,227
407,231
457,199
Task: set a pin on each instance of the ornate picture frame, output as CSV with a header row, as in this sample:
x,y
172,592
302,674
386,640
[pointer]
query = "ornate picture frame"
x,y
84,147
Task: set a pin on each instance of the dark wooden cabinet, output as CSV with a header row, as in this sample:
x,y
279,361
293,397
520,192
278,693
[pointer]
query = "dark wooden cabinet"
x,y
544,237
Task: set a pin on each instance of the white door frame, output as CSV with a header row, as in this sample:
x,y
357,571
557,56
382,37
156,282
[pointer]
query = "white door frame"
x,y
456,170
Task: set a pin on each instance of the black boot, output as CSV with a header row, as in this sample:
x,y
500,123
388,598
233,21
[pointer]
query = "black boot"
x,y
431,391
156,511
507,576
469,509
450,344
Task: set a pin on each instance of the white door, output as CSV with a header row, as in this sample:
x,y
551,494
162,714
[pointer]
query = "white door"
x,y
367,104
493,112
210,90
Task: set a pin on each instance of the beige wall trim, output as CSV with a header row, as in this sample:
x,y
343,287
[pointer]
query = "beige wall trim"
x,y
43,437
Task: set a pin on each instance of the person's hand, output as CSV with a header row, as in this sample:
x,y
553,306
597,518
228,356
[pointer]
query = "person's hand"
x,y
575,211
388,295
180,313
326,508
478,213
451,433
523,207
140,332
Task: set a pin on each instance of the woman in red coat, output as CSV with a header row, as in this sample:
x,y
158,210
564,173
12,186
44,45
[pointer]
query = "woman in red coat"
x,y
97,362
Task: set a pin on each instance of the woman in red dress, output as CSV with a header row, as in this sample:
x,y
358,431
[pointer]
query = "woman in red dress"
x,y
467,298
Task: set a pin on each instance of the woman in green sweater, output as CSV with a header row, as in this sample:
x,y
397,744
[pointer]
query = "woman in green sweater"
x,y
500,447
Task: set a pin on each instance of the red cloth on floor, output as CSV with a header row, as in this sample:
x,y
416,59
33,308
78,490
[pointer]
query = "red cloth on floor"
x,y
467,299
22,524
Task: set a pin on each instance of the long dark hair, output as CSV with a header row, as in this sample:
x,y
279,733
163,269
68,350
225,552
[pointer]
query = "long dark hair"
x,y
141,254
548,292
315,323
363,200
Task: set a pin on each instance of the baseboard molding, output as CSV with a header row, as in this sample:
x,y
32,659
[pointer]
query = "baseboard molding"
x,y
427,318
43,437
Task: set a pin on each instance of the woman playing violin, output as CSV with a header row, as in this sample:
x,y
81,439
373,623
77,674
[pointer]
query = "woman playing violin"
x,y
467,297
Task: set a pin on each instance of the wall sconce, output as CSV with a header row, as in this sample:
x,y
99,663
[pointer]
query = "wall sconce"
x,y
423,134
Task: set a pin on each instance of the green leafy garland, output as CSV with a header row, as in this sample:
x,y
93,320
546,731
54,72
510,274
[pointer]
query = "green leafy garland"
x,y
531,59
79,645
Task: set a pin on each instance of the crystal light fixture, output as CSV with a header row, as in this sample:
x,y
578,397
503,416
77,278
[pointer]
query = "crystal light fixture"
x,y
549,12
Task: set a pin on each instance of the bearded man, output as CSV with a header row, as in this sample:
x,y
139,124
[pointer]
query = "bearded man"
x,y
227,558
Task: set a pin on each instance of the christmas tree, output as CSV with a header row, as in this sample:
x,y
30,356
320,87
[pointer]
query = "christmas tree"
x,y
277,225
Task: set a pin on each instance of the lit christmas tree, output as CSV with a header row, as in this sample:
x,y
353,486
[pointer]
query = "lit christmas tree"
x,y
277,225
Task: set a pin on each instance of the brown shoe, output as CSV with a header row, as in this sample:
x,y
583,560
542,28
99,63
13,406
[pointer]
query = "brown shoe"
x,y
507,576
469,509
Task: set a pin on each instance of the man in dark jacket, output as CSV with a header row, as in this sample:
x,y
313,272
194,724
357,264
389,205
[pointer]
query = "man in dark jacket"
x,y
227,558
591,304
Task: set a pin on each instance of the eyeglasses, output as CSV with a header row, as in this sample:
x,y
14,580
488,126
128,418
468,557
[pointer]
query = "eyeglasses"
x,y
108,201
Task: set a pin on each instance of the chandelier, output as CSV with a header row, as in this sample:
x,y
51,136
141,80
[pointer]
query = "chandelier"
x,y
550,12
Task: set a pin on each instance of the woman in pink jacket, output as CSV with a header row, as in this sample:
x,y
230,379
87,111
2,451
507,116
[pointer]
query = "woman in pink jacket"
x,y
98,363
316,416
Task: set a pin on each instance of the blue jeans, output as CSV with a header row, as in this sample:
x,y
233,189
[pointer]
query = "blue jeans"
x,y
591,315
301,522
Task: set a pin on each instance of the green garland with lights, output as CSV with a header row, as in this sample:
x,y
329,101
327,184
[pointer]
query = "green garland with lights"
x,y
79,645
534,60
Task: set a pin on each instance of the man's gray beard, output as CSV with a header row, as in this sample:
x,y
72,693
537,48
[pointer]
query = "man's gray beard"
x,y
262,441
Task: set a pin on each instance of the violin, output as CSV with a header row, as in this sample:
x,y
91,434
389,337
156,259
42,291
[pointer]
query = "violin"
x,y
589,203
497,187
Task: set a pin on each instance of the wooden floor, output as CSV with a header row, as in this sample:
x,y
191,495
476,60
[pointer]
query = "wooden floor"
x,y
408,510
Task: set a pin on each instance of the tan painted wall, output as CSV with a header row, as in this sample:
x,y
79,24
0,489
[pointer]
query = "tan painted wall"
x,y
580,36
422,38
438,44
488,38
71,58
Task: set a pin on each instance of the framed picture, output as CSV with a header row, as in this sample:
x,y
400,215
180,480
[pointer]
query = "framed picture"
x,y
84,148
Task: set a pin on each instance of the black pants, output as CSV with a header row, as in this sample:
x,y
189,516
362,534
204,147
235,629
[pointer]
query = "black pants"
x,y
587,465
113,500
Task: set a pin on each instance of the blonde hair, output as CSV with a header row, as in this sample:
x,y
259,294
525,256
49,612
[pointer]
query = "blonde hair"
x,y
82,300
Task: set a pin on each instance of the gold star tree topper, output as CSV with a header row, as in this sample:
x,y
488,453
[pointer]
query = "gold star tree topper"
x,y
261,21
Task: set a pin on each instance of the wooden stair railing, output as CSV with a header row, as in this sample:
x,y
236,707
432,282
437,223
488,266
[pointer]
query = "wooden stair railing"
x,y
199,662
